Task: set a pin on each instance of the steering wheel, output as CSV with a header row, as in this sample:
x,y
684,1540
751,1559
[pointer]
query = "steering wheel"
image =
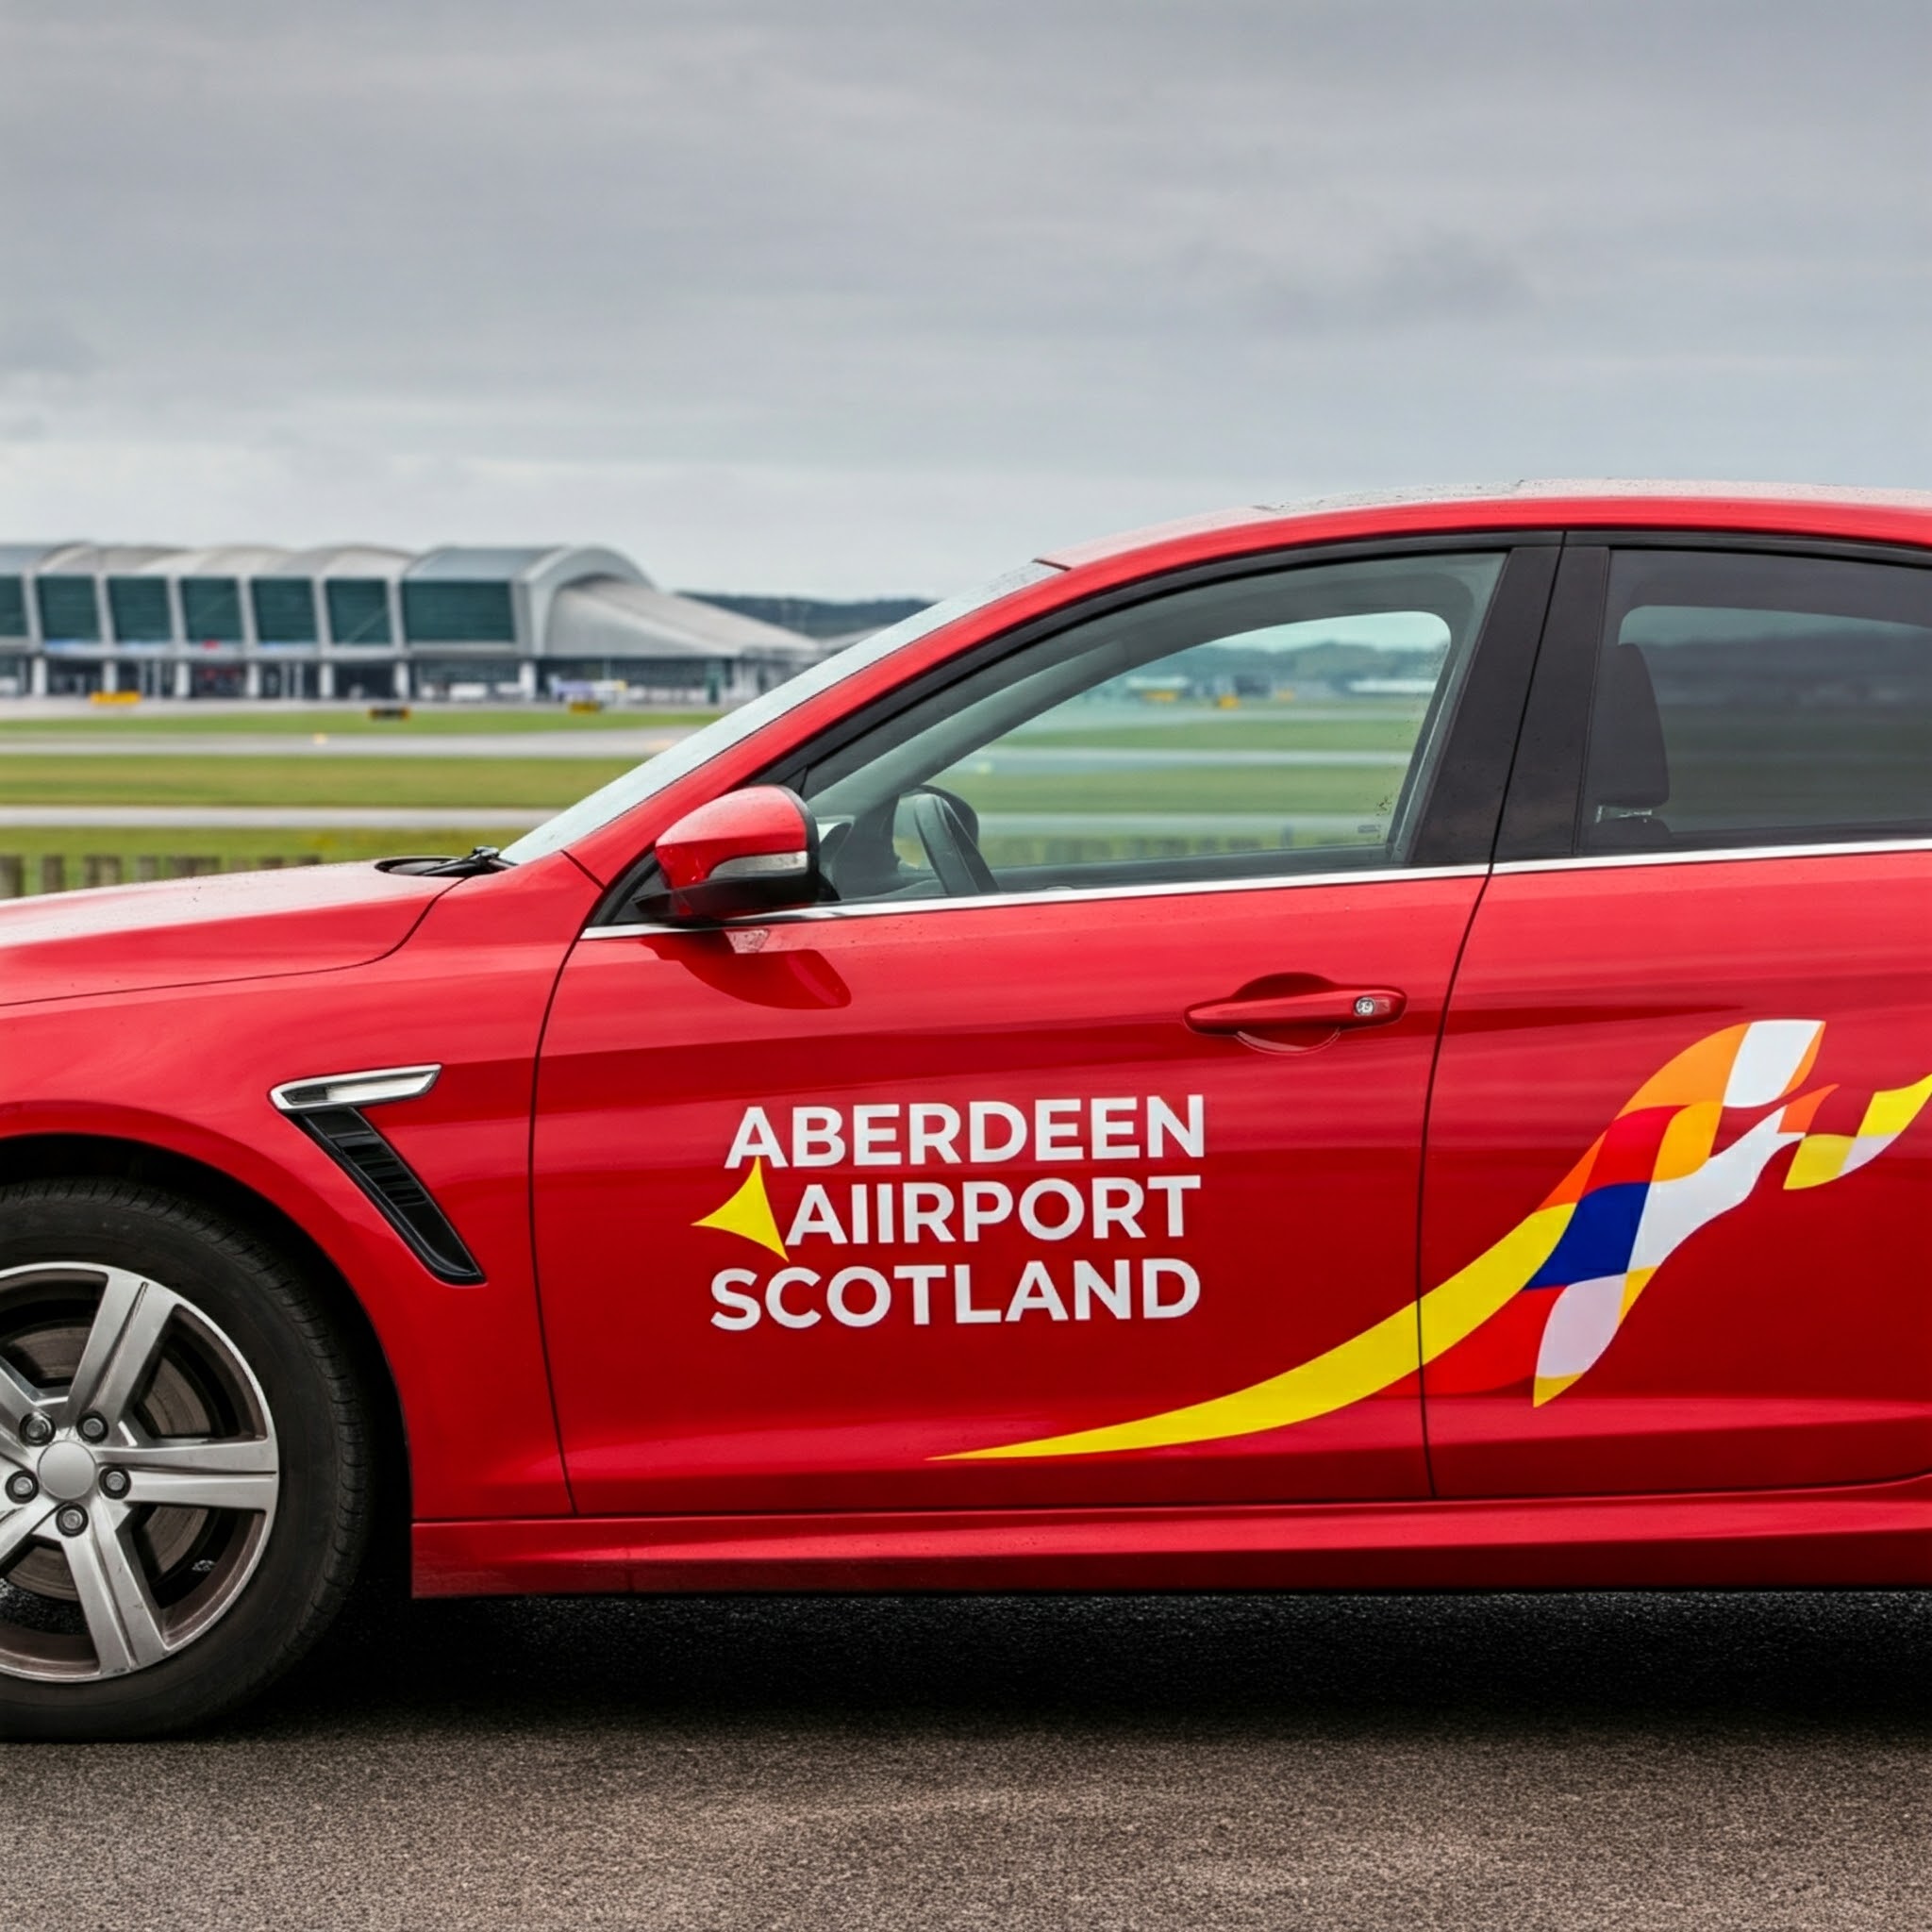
x,y
950,850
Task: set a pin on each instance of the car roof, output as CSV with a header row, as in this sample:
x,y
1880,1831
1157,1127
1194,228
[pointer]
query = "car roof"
x,y
1532,503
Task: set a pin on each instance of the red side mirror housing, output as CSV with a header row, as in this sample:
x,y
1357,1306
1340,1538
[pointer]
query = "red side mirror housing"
x,y
749,852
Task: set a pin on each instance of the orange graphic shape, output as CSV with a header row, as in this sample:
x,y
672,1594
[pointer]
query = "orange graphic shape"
x,y
1699,1073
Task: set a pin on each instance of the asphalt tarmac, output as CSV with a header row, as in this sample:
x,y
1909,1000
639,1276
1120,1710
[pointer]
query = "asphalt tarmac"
x,y
1345,1762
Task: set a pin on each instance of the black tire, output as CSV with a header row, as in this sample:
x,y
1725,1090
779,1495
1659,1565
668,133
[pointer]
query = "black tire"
x,y
295,1571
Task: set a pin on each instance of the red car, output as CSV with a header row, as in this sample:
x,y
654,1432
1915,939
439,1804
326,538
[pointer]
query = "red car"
x,y
1376,1044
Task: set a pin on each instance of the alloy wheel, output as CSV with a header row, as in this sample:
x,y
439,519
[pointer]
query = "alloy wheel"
x,y
139,1472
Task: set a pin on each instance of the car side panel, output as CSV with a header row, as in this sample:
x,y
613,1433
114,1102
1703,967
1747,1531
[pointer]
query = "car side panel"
x,y
1295,1234
1786,1337
189,1070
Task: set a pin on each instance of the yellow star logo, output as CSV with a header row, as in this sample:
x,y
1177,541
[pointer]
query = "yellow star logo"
x,y
749,1213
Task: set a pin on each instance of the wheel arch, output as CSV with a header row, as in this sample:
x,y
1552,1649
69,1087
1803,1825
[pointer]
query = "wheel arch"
x,y
79,1155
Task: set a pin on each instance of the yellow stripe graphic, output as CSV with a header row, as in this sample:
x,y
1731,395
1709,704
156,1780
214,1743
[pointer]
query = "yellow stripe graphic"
x,y
1361,1367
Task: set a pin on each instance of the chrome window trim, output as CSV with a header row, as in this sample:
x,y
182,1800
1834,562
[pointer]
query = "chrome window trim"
x,y
369,1089
1606,862
1079,895
874,909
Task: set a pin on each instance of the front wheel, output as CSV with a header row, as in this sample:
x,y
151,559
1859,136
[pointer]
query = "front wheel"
x,y
183,1462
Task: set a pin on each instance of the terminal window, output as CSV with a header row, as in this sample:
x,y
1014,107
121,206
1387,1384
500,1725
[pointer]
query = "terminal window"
x,y
69,613
211,610
139,606
12,608
284,611
458,613
359,610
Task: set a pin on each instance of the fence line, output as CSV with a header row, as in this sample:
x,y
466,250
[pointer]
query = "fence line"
x,y
51,873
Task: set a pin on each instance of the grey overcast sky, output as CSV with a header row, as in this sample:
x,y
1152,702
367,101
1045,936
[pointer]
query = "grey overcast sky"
x,y
846,296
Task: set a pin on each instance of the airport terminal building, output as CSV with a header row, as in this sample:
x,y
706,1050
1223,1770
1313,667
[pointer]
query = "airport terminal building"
x,y
360,621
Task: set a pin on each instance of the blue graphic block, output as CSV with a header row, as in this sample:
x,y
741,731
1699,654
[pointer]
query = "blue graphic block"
x,y
1601,1235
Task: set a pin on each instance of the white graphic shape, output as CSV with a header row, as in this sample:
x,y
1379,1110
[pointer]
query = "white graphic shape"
x,y
1769,1057
1674,1210
1582,1323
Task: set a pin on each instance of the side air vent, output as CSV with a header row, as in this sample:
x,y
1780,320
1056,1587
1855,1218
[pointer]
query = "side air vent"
x,y
345,1135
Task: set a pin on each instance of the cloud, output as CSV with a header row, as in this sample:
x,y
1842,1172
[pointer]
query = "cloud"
x,y
37,345
1090,256
1444,279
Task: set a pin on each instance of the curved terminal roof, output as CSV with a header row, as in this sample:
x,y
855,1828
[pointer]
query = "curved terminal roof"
x,y
548,564
612,617
18,557
345,560
92,560
540,601
223,560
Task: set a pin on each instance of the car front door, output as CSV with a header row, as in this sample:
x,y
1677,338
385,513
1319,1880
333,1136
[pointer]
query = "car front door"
x,y
1071,1154
1676,1213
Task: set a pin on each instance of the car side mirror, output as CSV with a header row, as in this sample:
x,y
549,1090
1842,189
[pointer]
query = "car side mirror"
x,y
749,852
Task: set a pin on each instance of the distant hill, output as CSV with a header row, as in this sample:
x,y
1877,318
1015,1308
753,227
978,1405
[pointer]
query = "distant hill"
x,y
815,617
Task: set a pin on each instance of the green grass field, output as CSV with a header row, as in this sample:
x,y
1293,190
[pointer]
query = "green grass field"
x,y
535,783
1250,788
540,784
531,782
397,782
1393,730
1717,762
230,851
298,721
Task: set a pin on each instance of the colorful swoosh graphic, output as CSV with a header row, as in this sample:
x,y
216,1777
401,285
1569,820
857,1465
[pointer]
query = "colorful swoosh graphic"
x,y
1649,1182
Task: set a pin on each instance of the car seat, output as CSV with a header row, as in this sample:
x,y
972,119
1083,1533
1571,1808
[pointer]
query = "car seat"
x,y
1628,776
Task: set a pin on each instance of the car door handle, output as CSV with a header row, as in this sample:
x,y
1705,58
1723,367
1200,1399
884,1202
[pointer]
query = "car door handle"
x,y
1340,1006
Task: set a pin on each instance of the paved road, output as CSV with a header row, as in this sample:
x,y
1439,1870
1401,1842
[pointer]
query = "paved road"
x,y
1342,1765
325,818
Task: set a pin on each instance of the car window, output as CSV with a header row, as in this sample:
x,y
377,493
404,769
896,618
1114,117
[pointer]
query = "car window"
x,y
1283,722
1755,699
624,793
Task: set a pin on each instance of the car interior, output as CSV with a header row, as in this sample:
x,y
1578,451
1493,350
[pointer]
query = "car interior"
x,y
896,821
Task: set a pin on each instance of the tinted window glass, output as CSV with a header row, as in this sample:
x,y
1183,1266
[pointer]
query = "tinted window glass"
x,y
284,611
611,801
359,610
1276,724
211,610
458,614
139,606
12,609
1759,700
68,611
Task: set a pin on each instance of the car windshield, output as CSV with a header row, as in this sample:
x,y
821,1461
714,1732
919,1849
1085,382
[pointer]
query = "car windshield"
x,y
616,798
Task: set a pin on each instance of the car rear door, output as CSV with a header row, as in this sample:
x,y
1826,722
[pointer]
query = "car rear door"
x,y
1097,1187
1676,1213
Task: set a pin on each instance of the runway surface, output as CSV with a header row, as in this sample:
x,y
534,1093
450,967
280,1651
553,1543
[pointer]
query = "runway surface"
x,y
1032,760
1344,1763
323,818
